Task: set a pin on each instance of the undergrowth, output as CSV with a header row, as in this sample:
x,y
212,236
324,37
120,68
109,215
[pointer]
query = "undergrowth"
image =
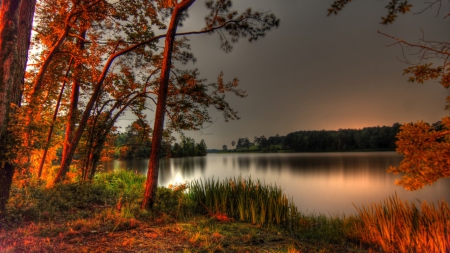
x,y
111,202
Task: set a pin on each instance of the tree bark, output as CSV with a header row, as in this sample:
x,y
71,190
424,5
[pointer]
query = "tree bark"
x,y
152,174
74,97
55,114
16,18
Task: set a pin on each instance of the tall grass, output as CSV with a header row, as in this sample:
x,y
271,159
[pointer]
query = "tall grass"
x,y
399,226
244,200
265,205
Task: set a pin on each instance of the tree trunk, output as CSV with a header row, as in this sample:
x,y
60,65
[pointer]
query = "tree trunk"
x,y
74,96
55,114
153,166
16,18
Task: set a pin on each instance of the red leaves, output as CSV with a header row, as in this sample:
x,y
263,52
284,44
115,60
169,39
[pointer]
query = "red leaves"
x,y
426,153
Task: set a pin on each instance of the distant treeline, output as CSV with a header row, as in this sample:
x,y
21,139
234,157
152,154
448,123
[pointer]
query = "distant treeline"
x,y
368,138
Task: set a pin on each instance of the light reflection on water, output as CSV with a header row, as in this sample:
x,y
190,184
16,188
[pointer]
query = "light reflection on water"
x,y
317,182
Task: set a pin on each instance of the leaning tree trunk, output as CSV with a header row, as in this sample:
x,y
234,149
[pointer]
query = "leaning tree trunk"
x,y
55,114
152,175
74,97
16,18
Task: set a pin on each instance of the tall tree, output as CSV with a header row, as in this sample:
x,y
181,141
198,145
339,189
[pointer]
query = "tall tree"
x,y
221,18
152,175
16,17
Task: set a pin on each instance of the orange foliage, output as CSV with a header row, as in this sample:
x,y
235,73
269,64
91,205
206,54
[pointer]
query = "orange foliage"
x,y
426,153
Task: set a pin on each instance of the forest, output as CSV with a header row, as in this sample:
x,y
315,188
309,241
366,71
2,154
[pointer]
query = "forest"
x,y
366,139
90,62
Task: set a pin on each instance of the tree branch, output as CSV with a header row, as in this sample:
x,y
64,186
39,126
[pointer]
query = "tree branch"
x,y
446,52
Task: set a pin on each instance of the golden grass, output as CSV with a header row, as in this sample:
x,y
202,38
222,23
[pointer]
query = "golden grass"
x,y
399,226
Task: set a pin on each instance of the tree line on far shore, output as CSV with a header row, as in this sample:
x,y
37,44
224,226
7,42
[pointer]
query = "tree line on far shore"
x,y
366,139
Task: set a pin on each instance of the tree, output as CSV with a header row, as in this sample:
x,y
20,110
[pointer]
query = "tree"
x,y
248,24
224,148
135,141
201,148
243,143
16,18
425,149
262,143
233,143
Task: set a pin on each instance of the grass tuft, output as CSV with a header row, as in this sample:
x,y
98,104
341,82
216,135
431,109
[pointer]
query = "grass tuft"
x,y
399,226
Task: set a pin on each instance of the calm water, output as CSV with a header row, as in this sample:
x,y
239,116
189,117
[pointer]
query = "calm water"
x,y
318,182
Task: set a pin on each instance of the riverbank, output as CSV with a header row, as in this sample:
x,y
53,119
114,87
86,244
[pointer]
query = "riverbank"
x,y
195,234
104,216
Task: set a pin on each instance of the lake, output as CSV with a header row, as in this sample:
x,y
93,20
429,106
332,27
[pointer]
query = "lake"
x,y
328,183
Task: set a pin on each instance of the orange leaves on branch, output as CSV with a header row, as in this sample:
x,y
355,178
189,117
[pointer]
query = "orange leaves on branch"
x,y
395,6
337,6
425,72
426,151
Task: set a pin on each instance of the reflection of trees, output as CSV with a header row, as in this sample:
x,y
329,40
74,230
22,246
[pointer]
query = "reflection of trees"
x,y
350,164
321,163
201,161
189,165
347,164
165,172
244,162
262,163
268,162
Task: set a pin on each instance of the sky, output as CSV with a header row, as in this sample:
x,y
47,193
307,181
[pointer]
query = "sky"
x,y
315,72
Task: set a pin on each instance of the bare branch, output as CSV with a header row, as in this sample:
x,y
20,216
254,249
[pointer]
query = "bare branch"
x,y
424,47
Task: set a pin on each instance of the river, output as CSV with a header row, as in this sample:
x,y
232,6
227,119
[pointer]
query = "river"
x,y
328,183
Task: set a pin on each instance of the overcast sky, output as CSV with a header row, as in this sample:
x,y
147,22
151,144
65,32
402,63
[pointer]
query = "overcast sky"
x,y
315,72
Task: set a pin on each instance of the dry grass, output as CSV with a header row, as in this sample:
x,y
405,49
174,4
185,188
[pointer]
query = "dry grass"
x,y
399,226
197,234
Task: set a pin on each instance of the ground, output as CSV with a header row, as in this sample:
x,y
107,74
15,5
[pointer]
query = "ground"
x,y
198,234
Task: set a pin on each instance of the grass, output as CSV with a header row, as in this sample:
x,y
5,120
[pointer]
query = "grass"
x,y
399,226
251,201
233,215
243,200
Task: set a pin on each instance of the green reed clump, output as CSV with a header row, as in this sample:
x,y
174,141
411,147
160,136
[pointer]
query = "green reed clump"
x,y
244,200
399,226
123,181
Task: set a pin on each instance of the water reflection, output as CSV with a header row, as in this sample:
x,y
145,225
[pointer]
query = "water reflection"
x,y
244,162
321,182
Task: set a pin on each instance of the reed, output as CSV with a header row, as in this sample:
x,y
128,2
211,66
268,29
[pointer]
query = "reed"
x,y
399,226
244,200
